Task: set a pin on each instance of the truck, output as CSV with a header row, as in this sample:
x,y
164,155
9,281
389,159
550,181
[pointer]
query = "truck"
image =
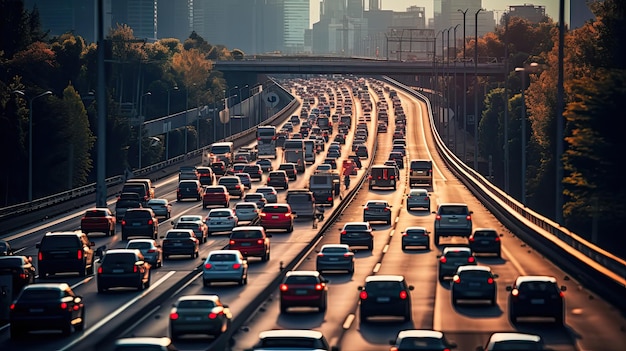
x,y
309,151
296,157
323,188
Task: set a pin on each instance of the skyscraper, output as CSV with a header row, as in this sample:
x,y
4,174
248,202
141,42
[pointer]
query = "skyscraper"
x,y
296,21
140,15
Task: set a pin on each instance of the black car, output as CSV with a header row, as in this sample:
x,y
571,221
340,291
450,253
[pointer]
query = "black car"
x,y
265,164
357,234
218,167
486,240
47,306
255,171
278,179
20,268
385,295
123,268
474,283
63,252
180,242
290,170
536,296
140,222
303,289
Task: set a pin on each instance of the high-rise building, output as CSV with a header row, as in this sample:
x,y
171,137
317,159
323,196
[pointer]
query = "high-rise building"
x,y
354,8
63,16
140,15
174,19
374,5
296,21
530,12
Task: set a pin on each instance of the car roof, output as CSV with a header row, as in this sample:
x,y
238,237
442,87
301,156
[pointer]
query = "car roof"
x,y
141,241
62,233
47,286
302,273
473,268
455,249
219,252
485,230
190,218
190,231
418,190
508,336
143,340
199,297
415,228
121,251
384,278
249,227
343,246
247,203
314,334
453,204
534,278
420,333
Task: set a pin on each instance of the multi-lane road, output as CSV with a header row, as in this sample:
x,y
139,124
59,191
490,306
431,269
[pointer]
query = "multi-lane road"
x,y
590,324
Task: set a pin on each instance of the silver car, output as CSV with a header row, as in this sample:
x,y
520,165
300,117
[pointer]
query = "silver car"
x,y
270,193
258,198
221,220
225,266
161,207
151,250
247,211
418,198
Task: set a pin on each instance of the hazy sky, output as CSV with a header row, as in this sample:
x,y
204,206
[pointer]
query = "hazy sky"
x,y
552,6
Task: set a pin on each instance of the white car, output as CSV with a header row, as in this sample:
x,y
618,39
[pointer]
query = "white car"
x,y
247,211
270,193
221,220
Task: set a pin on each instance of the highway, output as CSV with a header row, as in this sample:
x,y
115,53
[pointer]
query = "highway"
x,y
590,321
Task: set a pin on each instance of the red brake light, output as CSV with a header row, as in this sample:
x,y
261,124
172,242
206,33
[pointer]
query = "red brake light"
x,y
232,242
348,254
468,217
561,294
471,240
489,280
63,305
283,287
457,279
438,217
79,254
497,238
12,306
150,222
40,256
471,259
363,295
208,266
135,269
443,259
174,316
236,265
319,287
123,222
214,315
343,232
403,294
320,255
260,241
99,270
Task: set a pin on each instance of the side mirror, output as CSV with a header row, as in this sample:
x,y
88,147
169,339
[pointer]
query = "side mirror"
x,y
411,287
495,276
360,288
501,234
268,235
225,306
438,256
452,345
434,212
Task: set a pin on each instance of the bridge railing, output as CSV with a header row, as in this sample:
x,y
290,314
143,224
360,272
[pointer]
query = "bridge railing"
x,y
592,264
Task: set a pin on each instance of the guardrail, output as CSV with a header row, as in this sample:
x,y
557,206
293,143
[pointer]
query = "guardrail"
x,y
588,262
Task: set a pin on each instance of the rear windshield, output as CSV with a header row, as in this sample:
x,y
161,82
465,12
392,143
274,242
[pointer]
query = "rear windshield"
x,y
187,185
134,189
533,287
472,274
244,206
517,345
453,210
40,294
174,235
141,245
95,213
59,242
421,165
420,344
485,234
275,209
460,253
137,214
299,198
196,304
186,226
223,258
119,258
246,234
355,227
251,169
301,279
228,181
334,250
383,286
291,342
16,261
219,213
214,190
127,203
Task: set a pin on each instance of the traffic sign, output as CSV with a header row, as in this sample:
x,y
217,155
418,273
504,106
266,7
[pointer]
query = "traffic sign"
x,y
224,115
271,99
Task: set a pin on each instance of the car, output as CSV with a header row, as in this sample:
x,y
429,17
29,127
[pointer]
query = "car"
x,y
452,257
247,211
21,270
215,195
206,176
486,240
331,161
225,266
143,343
63,252
98,220
399,148
199,314
161,207
255,171
415,237
257,198
377,210
46,306
218,167
277,216
189,189
323,168
303,289
361,151
150,249
333,154
233,184
221,220
140,222
292,339
398,157
335,257
237,167
382,127
180,242
269,192
278,179
418,198
290,170
5,248
265,164
452,219
246,180
513,341
197,223
421,339
357,234
251,241
536,296
385,295
302,202
383,176
123,268
420,172
472,282
126,201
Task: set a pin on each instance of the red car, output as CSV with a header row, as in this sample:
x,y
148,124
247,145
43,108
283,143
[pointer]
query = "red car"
x,y
98,220
303,289
250,241
277,216
216,195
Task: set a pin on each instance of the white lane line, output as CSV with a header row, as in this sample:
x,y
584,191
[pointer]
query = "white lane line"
x,y
112,315
348,322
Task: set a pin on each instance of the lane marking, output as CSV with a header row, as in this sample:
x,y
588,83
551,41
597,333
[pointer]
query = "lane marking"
x,y
348,322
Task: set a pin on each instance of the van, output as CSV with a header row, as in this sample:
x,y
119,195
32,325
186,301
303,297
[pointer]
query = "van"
x,y
146,181
139,188
420,172
302,202
383,177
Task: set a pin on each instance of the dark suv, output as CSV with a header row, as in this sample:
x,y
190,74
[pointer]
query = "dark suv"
x,y
123,268
61,252
290,169
140,222
452,219
536,296
383,177
486,240
385,295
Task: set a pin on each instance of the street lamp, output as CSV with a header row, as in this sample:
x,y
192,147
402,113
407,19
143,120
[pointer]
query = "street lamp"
x,y
30,136
455,91
476,90
175,88
168,124
464,91
139,125
529,68
240,96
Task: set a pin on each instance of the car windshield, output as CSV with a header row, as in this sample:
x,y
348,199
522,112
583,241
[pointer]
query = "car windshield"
x,y
141,245
223,258
219,213
194,304
246,234
40,294
177,235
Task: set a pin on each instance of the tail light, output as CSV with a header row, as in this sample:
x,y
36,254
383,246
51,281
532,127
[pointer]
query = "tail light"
x,y
63,305
468,217
232,242
173,316
75,307
363,295
561,294
23,275
348,254
343,232
237,186
12,307
471,240
236,265
79,254
471,259
135,269
393,348
438,217
123,222
268,179
443,259
319,287
214,315
366,208
208,266
386,210
403,294
489,280
40,256
258,138
262,214
284,287
320,255
405,234
150,222
100,270
497,238
456,279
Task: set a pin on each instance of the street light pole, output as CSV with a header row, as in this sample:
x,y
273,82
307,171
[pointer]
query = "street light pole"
x,y
30,137
476,90
139,124
464,158
456,112
523,71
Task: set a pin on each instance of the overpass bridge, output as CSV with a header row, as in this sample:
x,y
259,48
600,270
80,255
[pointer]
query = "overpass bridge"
x,y
360,66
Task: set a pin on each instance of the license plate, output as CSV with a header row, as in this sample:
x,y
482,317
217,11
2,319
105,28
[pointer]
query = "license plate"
x,y
453,220
274,217
333,259
245,244
36,310
136,224
301,292
118,271
474,285
178,244
382,299
537,301
193,318
221,268
485,242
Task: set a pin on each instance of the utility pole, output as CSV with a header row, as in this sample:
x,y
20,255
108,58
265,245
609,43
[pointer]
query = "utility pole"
x,y
464,158
476,90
